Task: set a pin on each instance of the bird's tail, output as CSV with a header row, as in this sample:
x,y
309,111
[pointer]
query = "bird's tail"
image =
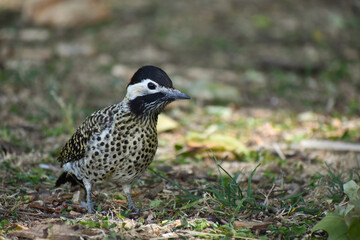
x,y
67,177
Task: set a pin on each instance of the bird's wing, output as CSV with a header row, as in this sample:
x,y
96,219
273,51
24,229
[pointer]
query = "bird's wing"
x,y
75,148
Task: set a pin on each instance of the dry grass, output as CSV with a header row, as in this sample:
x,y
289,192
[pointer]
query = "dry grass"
x,y
262,77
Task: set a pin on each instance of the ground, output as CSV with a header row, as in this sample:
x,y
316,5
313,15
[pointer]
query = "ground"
x,y
235,162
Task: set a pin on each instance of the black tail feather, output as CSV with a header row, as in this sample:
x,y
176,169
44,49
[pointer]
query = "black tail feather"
x,y
68,177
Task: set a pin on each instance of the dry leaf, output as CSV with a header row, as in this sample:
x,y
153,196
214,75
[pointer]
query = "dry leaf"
x,y
215,142
48,231
166,123
17,226
66,13
251,224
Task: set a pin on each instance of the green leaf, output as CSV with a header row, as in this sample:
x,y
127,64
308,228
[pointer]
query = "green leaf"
x,y
334,225
299,230
354,229
112,226
4,223
351,189
190,205
184,222
200,224
155,203
99,208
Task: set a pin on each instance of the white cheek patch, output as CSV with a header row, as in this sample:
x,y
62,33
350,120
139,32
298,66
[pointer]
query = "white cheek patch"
x,y
135,90
139,89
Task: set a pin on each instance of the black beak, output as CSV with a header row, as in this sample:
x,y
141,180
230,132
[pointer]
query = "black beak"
x,y
174,94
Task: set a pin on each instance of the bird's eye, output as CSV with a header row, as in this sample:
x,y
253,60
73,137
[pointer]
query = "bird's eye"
x,y
151,86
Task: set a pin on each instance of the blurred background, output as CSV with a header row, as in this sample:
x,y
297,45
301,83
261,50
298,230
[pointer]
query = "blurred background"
x,y
287,55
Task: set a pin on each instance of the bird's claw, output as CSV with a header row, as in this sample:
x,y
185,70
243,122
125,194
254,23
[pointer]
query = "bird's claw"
x,y
134,211
89,206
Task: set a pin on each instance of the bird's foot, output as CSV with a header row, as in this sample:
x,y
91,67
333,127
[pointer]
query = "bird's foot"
x,y
89,206
134,211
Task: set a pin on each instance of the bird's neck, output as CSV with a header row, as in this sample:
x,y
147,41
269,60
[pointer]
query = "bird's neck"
x,y
148,118
142,108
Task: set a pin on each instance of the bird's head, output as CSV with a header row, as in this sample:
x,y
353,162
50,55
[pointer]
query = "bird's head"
x,y
150,90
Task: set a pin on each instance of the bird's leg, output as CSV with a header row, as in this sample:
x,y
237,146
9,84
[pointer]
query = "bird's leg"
x,y
88,205
126,188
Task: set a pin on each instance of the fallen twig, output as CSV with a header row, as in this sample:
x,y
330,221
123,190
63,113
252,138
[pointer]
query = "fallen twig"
x,y
330,145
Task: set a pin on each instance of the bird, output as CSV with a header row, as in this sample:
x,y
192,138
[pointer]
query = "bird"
x,y
119,142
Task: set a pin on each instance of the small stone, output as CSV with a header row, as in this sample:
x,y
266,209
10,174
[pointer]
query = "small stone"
x,y
73,213
76,197
34,34
71,50
34,54
39,202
